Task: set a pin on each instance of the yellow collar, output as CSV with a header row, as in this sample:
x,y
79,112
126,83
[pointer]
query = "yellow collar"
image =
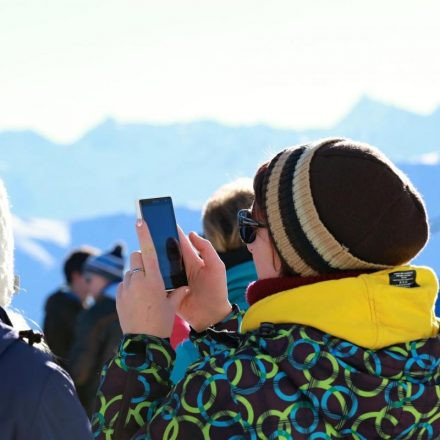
x,y
365,310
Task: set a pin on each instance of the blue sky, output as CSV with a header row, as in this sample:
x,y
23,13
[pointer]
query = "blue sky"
x,y
65,65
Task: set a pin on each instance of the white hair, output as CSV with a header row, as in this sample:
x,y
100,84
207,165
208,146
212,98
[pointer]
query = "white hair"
x,y
6,249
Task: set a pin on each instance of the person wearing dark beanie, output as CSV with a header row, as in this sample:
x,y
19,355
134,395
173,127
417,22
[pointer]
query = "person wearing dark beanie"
x,y
340,339
109,266
97,330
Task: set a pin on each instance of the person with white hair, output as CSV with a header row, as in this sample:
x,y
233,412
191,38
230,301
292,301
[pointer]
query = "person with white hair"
x,y
38,398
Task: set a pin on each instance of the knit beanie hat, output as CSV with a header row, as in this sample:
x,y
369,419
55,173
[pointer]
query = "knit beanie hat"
x,y
109,265
340,205
6,250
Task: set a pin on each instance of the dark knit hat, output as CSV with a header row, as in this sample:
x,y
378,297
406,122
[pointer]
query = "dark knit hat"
x,y
109,265
339,205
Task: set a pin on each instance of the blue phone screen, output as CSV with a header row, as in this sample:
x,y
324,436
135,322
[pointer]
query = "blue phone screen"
x,y
159,215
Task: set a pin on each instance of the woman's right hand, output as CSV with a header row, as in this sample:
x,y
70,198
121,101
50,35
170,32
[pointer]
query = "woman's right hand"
x,y
207,301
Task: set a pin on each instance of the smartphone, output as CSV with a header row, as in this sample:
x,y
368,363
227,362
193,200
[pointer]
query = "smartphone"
x,y
158,213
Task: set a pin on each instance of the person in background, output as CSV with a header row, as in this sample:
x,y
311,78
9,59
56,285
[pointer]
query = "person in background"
x,y
38,400
219,220
340,339
63,306
97,329
220,228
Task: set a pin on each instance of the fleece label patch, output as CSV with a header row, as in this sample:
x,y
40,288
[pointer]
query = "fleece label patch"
x,y
404,278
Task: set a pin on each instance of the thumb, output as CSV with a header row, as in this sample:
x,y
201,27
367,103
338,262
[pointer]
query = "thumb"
x,y
177,295
205,249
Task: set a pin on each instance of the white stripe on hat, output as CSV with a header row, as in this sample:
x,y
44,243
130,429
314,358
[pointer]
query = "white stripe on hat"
x,y
105,268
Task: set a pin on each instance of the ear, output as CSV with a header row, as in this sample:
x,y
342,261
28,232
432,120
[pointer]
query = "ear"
x,y
276,260
277,263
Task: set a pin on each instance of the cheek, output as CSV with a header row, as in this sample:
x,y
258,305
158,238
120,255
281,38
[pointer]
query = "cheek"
x,y
265,257
92,286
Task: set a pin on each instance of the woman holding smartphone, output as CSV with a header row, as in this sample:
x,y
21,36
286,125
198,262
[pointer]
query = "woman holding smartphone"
x,y
340,339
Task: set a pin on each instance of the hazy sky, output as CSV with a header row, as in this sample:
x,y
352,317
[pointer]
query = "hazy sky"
x,y
65,65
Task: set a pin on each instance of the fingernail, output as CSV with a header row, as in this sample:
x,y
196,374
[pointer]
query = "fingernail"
x,y
139,222
138,211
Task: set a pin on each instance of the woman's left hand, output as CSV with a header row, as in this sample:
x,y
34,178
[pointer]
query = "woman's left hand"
x,y
143,304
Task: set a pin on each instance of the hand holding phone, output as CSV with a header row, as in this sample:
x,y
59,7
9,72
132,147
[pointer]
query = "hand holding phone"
x,y
158,213
207,301
143,305
142,301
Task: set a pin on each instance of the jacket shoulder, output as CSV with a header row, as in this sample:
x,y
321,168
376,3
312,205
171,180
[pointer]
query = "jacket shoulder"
x,y
31,381
59,413
62,299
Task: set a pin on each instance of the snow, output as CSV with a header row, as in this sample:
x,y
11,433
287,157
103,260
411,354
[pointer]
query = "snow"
x,y
28,234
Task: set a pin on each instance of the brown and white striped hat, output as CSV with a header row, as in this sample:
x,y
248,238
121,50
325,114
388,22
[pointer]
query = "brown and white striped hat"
x,y
339,205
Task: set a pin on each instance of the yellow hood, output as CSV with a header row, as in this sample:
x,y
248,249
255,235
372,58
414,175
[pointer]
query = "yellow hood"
x,y
365,310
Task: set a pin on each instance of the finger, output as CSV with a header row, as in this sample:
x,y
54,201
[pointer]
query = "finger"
x,y
190,256
127,277
149,256
119,293
205,249
119,298
177,295
136,261
186,244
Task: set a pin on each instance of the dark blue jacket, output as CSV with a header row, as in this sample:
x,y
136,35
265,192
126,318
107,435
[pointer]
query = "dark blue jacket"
x,y
97,337
37,397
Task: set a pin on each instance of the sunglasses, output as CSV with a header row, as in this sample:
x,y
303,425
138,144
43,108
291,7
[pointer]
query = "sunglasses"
x,y
247,226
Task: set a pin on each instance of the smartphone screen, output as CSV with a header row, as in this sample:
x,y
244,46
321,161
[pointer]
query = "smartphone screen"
x,y
159,216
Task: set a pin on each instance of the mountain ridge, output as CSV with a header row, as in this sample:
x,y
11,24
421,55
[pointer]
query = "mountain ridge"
x,y
361,106
114,163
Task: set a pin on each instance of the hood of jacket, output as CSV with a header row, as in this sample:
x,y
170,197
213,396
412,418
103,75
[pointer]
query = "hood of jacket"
x,y
373,310
8,337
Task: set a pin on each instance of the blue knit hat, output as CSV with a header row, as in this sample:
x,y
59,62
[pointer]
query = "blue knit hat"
x,y
109,265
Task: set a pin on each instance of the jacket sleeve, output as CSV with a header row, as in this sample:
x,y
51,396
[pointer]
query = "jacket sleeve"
x,y
59,413
137,401
133,386
221,336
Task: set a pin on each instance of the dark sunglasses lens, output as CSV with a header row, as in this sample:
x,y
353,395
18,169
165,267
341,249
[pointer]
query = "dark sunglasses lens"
x,y
247,234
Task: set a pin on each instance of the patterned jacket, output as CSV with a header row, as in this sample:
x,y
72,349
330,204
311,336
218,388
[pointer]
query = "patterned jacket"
x,y
289,380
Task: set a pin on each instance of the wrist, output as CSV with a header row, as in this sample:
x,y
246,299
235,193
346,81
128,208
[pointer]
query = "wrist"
x,y
140,351
148,325
213,319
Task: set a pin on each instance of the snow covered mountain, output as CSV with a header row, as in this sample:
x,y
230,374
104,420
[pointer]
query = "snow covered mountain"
x,y
113,164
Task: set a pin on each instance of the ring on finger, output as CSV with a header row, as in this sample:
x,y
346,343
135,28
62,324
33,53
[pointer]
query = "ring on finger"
x,y
136,269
